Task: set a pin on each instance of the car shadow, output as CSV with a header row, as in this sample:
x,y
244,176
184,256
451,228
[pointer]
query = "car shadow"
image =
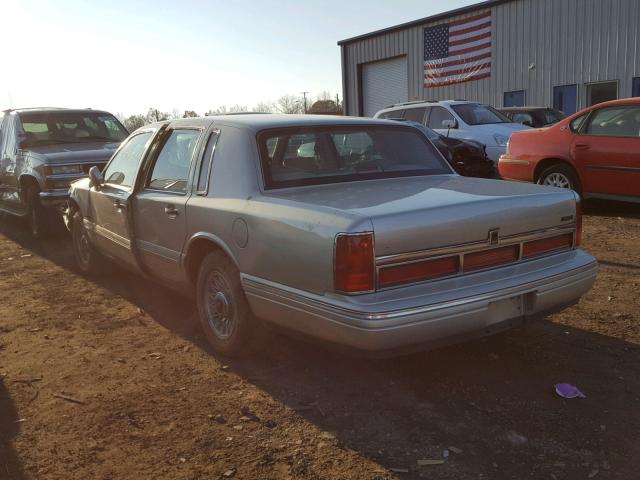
x,y
490,404
608,208
10,467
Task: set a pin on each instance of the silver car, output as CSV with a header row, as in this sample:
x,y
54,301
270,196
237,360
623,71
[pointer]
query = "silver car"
x,y
353,231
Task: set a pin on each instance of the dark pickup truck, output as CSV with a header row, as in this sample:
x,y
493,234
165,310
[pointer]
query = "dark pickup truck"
x,y
43,150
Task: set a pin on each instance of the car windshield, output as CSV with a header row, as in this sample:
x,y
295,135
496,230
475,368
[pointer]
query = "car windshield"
x,y
70,127
312,156
479,114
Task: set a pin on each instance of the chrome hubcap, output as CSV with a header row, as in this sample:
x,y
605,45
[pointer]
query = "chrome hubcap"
x,y
557,180
219,305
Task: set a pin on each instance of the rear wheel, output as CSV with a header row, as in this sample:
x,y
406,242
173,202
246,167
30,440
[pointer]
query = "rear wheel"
x,y
224,314
561,176
87,258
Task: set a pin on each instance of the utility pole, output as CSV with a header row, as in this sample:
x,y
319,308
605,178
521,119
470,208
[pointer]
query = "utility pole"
x,y
304,94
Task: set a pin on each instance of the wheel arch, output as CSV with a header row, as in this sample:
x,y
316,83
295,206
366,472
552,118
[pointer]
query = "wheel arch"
x,y
26,180
542,165
198,247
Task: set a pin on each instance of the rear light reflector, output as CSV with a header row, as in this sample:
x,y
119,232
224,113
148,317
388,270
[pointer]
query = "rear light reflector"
x,y
546,245
354,263
418,271
490,258
578,223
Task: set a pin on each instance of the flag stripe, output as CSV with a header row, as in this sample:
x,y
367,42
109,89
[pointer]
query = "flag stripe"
x,y
464,41
467,20
460,71
454,65
474,28
453,38
479,46
452,82
460,59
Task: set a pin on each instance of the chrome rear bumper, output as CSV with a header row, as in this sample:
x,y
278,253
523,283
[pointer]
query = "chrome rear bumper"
x,y
404,318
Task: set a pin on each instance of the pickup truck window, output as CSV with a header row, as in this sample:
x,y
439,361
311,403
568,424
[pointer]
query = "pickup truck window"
x,y
171,170
123,167
321,155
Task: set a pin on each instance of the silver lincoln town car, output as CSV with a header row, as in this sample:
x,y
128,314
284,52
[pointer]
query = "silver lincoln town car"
x,y
350,230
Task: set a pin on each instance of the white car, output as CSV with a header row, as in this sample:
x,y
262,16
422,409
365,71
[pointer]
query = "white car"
x,y
460,119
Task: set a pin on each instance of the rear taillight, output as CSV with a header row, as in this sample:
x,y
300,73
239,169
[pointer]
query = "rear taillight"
x,y
547,245
578,222
354,263
418,271
490,258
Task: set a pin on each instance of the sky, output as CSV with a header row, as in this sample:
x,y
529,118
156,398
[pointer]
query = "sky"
x,y
127,56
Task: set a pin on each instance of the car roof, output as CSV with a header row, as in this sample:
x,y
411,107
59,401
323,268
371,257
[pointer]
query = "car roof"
x,y
423,103
54,110
621,101
515,109
257,122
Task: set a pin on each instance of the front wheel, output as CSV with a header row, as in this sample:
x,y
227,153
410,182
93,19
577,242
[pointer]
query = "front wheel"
x,y
560,176
87,258
36,215
223,311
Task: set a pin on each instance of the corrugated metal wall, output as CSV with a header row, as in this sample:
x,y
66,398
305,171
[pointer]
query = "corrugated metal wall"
x,y
566,41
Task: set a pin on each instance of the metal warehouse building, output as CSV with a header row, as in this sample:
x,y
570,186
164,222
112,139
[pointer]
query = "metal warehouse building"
x,y
563,53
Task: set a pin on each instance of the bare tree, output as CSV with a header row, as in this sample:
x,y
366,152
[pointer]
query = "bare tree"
x,y
155,115
265,107
290,104
134,122
189,113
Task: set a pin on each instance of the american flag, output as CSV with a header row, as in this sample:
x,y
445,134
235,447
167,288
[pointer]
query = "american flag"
x,y
458,51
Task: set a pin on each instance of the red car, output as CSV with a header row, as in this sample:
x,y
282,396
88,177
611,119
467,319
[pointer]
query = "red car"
x,y
595,152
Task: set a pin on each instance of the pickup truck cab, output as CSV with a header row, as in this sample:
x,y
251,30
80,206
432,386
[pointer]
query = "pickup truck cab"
x,y
353,231
42,150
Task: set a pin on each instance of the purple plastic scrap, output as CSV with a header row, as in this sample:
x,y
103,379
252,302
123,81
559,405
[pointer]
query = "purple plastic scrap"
x,y
566,390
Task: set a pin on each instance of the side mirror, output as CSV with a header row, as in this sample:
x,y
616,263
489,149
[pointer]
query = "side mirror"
x,y
449,124
528,123
95,177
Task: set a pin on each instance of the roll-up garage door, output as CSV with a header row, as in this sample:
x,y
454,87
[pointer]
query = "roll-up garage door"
x,y
384,83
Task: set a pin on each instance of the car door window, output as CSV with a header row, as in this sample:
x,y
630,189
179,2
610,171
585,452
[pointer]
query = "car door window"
x,y
615,122
123,166
439,115
392,114
415,114
171,170
207,160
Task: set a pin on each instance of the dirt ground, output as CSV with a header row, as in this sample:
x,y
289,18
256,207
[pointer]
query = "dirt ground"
x,y
110,378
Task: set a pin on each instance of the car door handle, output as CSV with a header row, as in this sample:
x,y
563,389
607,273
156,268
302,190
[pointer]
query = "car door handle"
x,y
171,211
582,146
119,205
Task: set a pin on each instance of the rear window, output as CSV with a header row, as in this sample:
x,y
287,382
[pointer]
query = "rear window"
x,y
313,156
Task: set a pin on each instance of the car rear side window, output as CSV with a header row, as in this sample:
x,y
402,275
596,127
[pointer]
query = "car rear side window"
x,y
205,165
171,170
615,122
415,114
392,114
123,167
